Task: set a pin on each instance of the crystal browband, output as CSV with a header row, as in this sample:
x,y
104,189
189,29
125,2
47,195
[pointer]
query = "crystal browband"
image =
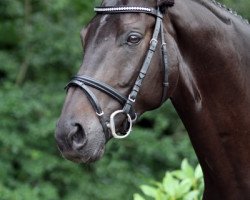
x,y
126,9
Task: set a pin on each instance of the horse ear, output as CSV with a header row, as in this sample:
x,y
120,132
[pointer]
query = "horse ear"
x,y
165,3
83,34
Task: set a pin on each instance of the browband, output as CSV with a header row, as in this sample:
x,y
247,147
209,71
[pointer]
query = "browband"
x,y
127,9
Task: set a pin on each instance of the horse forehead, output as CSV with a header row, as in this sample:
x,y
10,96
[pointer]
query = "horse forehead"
x,y
106,23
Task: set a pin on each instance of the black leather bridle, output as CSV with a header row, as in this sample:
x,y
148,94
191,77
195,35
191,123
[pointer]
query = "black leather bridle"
x,y
127,102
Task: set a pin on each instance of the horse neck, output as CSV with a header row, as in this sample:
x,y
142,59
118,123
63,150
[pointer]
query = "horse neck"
x,y
213,94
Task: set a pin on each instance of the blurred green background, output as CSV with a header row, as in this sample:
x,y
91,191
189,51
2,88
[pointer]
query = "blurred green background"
x,y
40,50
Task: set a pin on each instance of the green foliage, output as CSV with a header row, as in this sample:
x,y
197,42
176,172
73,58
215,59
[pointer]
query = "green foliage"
x,y
40,50
184,184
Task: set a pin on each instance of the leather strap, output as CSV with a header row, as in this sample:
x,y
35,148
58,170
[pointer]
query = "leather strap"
x,y
102,87
165,83
93,101
153,44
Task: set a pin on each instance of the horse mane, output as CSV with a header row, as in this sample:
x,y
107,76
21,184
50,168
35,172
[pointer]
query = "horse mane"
x,y
229,10
163,4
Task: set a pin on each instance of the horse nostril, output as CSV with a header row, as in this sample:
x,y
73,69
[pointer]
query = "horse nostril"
x,y
77,137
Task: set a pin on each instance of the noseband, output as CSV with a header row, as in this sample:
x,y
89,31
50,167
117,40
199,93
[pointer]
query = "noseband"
x,y
127,102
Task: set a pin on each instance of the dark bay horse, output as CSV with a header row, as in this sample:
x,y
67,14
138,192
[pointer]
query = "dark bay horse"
x,y
201,63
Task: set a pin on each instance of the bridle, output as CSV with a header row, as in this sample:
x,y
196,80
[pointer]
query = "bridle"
x,y
127,102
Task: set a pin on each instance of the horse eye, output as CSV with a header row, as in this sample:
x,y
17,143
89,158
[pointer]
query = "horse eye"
x,y
134,39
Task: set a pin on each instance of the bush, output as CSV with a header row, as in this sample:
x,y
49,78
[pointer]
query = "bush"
x,y
184,184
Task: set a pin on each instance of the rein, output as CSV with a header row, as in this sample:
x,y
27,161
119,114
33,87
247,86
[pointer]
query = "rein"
x,y
127,102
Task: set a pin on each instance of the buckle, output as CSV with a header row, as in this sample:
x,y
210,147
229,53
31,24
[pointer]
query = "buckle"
x,y
164,44
130,99
153,40
100,114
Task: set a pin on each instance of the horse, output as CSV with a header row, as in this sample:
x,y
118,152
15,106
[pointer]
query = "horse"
x,y
138,54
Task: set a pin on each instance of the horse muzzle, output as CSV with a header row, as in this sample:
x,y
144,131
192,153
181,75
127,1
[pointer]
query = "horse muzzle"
x,y
76,144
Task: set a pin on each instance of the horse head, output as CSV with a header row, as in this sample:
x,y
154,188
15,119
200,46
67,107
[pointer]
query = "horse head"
x,y
124,68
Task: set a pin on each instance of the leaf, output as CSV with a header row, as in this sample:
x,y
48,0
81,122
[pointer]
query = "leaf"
x,y
148,190
192,195
170,185
160,195
187,169
184,187
198,172
137,197
179,174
